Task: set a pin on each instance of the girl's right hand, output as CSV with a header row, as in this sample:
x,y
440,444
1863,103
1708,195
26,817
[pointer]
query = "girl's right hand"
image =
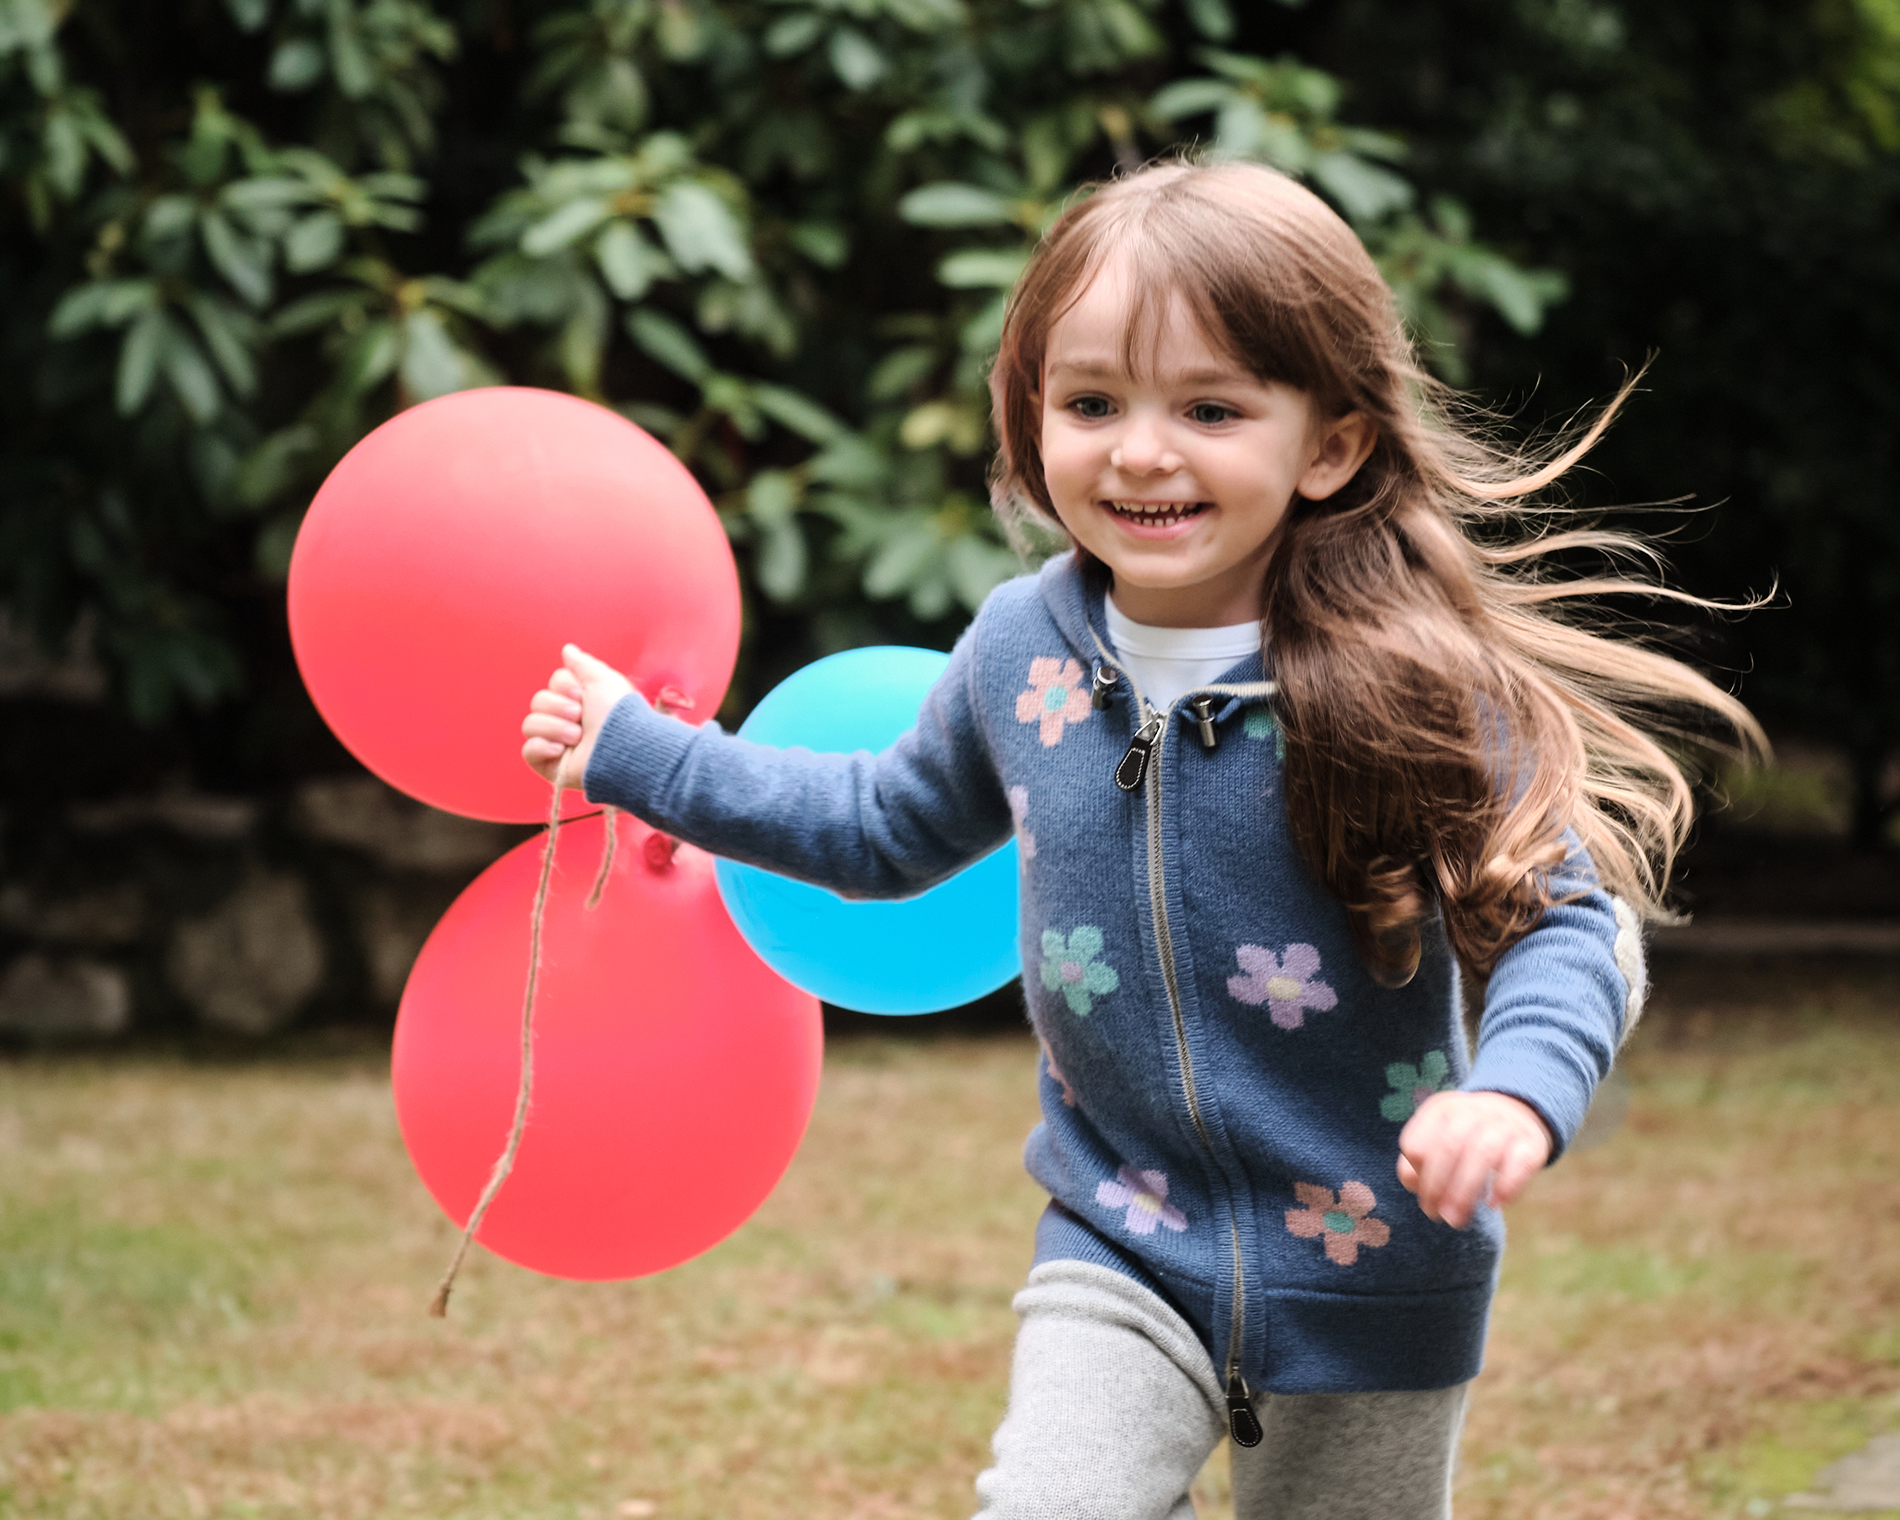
x,y
566,715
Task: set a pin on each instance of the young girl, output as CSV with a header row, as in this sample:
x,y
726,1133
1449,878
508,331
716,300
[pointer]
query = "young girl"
x,y
1255,869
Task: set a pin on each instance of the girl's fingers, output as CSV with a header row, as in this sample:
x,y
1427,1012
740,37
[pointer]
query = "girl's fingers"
x,y
1521,1163
542,757
556,704
550,727
566,683
1476,1162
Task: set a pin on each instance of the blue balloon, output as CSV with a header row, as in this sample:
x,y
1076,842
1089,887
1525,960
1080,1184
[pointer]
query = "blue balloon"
x,y
951,945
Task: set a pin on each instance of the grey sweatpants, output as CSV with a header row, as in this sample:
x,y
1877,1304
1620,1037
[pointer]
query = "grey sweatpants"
x,y
1114,1407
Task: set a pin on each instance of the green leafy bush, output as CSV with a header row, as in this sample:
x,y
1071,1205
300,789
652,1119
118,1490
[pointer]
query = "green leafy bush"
x,y
777,233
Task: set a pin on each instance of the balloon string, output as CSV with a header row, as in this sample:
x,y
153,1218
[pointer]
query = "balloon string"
x,y
606,856
505,1162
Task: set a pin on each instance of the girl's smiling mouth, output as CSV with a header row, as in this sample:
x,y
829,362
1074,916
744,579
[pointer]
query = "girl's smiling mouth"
x,y
1156,514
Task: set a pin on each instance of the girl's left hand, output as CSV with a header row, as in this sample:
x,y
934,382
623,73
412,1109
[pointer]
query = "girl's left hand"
x,y
567,713
1458,1143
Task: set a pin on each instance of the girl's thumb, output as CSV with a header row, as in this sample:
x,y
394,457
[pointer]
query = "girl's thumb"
x,y
584,664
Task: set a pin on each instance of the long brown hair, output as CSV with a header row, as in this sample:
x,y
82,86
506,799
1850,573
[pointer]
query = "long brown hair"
x,y
1450,715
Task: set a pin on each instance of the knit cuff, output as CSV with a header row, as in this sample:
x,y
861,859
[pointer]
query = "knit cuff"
x,y
636,754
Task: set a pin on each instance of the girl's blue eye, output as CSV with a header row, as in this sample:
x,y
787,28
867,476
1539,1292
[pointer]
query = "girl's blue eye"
x,y
1090,408
1209,413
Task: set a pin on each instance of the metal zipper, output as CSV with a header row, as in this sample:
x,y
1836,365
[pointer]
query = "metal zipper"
x,y
1242,1423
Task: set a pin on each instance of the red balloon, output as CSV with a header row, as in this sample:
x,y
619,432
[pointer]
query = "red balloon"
x,y
674,1072
453,552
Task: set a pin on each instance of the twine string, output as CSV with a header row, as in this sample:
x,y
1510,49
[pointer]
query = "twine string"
x,y
611,816
505,1162
671,697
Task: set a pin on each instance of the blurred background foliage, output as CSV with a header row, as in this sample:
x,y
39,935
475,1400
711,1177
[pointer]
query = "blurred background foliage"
x,y
238,234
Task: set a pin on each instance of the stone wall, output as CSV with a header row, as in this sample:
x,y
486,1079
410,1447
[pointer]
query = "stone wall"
x,y
173,910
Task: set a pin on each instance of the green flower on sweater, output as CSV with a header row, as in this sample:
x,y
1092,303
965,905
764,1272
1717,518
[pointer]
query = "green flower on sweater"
x,y
1412,1085
1260,725
1069,966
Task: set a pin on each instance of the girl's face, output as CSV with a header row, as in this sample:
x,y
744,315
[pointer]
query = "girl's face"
x,y
1178,478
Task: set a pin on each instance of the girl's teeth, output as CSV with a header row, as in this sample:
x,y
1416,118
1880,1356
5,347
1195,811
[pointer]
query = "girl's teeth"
x,y
1156,513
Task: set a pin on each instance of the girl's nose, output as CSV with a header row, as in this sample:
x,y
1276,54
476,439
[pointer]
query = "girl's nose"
x,y
1143,450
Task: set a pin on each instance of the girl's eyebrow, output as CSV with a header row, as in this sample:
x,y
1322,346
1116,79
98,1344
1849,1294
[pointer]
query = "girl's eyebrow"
x,y
1095,369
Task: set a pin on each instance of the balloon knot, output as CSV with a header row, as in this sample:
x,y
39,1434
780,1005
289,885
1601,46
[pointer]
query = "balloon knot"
x,y
659,850
672,699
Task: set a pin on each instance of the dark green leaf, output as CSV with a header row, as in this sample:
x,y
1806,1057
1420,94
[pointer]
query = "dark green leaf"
x,y
780,561
628,262
226,333
1211,18
824,243
772,498
899,370
248,14
370,358
1190,97
565,225
857,60
243,261
296,65
138,361
664,339
904,557
314,311
701,231
101,303
170,216
1363,191
981,268
271,467
793,34
801,414
948,204
190,374
314,243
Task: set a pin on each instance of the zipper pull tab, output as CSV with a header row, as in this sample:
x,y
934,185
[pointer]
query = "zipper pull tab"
x,y
1103,687
1242,1423
1203,710
1134,764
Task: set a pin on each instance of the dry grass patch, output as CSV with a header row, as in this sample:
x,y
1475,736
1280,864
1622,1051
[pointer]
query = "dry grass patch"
x,y
212,1284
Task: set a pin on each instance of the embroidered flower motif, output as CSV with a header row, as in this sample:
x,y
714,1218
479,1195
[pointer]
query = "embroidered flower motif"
x,y
1260,725
1055,1074
1070,967
1286,984
1055,697
1145,1196
1412,1085
1018,811
1343,1221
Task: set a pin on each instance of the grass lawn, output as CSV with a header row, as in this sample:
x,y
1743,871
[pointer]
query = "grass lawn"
x,y
213,1278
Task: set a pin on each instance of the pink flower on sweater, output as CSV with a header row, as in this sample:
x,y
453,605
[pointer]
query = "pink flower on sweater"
x,y
1343,1222
1055,697
1145,1196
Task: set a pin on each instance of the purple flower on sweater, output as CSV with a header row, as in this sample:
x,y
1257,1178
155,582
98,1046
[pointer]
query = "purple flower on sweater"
x,y
1286,983
1145,1196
